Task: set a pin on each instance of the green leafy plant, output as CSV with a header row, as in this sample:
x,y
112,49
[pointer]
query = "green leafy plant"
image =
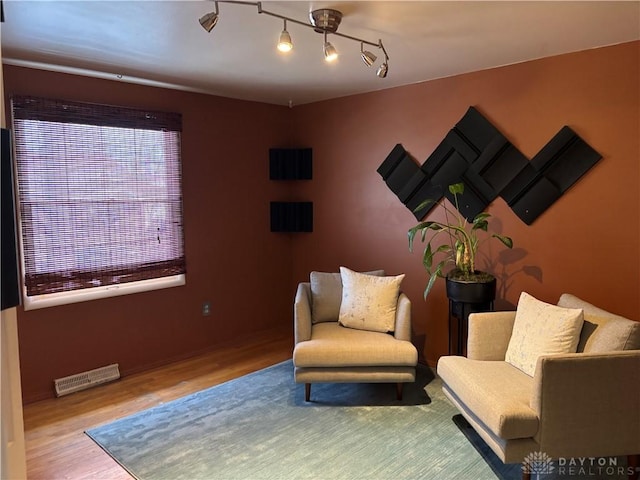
x,y
461,247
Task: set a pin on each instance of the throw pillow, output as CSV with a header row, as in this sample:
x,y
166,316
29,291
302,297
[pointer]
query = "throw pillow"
x,y
542,329
326,295
369,302
603,331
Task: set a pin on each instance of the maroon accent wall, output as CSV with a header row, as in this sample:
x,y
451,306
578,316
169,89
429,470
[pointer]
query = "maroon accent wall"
x,y
232,258
587,243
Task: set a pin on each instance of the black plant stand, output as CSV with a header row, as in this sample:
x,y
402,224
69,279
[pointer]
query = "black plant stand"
x,y
466,298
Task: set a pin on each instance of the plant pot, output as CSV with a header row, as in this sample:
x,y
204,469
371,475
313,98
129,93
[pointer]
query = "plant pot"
x,y
470,291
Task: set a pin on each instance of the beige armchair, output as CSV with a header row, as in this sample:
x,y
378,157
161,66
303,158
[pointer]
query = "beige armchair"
x,y
327,352
584,404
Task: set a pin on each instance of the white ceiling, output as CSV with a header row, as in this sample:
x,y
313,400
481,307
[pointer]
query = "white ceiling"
x,y
161,42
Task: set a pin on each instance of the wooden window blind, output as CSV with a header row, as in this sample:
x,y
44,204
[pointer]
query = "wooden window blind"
x,y
99,194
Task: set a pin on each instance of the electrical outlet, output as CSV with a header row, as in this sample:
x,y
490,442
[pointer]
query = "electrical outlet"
x,y
206,309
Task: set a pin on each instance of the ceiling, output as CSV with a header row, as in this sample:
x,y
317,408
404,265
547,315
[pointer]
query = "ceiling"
x,y
161,42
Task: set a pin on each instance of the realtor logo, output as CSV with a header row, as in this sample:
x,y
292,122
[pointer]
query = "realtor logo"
x,y
538,463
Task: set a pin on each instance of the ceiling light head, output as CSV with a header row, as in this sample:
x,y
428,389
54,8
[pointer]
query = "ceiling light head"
x,y
330,52
285,44
367,57
325,20
382,70
209,20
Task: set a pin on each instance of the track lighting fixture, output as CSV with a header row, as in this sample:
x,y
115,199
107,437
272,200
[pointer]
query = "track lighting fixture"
x,y
324,20
285,44
209,20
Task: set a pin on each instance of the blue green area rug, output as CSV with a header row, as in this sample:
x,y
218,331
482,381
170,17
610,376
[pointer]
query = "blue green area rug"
x,y
259,427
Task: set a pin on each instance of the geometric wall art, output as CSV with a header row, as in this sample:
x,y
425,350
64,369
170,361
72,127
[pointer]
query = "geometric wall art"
x,y
291,164
475,153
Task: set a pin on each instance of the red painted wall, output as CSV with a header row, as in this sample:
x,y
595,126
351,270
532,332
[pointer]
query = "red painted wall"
x,y
232,258
587,243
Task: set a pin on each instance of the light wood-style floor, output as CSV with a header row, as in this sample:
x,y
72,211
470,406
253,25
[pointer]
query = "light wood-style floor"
x,y
57,447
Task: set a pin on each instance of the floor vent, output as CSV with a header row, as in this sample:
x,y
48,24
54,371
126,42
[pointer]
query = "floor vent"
x,y
81,381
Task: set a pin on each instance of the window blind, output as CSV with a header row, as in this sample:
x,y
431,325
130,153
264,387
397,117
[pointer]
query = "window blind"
x,y
99,194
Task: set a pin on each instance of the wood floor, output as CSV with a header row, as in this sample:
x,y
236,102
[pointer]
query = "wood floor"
x,y
57,447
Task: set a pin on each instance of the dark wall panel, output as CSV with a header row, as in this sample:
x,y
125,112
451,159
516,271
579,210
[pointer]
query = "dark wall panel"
x,y
290,163
291,216
10,278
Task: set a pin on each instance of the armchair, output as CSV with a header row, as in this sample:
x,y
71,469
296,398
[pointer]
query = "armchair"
x,y
327,352
583,404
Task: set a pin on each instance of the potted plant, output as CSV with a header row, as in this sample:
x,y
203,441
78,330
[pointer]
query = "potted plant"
x,y
464,282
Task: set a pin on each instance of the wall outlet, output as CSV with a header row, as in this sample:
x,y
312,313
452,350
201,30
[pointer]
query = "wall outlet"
x,y
206,309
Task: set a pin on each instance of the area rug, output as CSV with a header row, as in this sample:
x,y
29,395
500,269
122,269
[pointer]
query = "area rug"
x,y
259,427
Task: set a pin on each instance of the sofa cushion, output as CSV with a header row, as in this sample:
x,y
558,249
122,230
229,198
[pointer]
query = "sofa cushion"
x,y
603,331
332,345
496,392
369,302
541,329
326,295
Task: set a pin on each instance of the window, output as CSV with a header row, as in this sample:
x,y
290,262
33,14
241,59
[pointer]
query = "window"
x,y
99,199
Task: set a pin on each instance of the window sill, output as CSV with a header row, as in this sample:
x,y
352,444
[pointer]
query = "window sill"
x,y
87,294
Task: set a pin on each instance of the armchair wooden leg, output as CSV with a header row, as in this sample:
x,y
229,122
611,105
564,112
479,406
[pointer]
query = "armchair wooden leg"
x,y
399,386
307,392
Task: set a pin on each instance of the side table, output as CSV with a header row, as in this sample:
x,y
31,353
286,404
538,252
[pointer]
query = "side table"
x,y
459,323
466,298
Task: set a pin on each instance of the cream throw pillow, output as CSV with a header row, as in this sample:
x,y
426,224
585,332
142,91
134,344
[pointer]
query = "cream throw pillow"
x,y
326,295
542,329
369,302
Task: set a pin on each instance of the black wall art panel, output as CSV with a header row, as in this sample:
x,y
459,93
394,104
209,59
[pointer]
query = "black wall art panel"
x,y
475,153
498,163
398,169
551,172
290,163
292,217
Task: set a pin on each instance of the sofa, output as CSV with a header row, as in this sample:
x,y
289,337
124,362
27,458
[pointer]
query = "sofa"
x,y
331,349
584,403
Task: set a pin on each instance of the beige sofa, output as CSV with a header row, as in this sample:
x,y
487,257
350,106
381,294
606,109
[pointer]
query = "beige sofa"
x,y
584,404
326,352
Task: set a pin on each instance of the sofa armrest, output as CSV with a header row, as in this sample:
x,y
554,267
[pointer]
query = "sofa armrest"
x,y
302,313
489,335
588,404
403,318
